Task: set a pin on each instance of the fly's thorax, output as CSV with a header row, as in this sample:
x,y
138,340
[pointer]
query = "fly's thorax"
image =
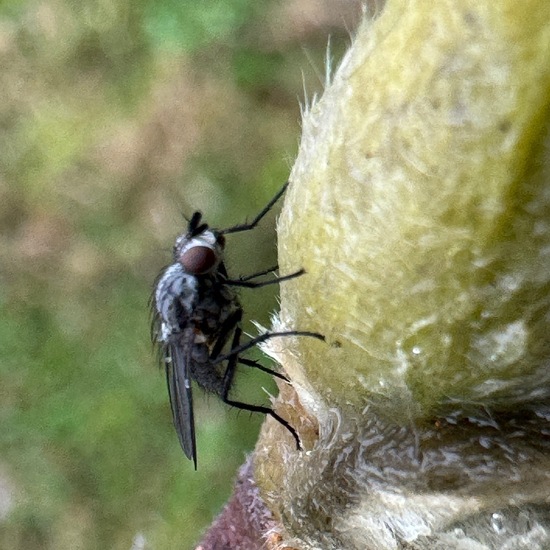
x,y
217,302
199,254
175,300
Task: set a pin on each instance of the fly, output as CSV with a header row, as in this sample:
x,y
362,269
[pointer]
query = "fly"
x,y
197,315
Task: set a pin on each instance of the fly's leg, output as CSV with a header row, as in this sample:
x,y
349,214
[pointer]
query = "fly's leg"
x,y
227,328
238,349
257,219
264,272
228,381
256,365
248,283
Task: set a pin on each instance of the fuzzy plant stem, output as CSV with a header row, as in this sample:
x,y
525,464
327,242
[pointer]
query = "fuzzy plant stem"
x,y
419,207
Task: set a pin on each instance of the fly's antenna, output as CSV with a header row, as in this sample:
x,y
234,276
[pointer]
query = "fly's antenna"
x,y
194,228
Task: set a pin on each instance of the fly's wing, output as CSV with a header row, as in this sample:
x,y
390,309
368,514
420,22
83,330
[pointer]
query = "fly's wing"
x,y
178,366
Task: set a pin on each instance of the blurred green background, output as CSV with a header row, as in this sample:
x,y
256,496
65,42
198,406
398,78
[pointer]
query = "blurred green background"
x,y
117,117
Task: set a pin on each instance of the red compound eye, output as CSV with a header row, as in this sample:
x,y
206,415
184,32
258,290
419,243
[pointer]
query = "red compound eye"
x,y
198,260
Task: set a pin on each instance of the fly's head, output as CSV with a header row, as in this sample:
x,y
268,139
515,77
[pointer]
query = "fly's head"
x,y
200,250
